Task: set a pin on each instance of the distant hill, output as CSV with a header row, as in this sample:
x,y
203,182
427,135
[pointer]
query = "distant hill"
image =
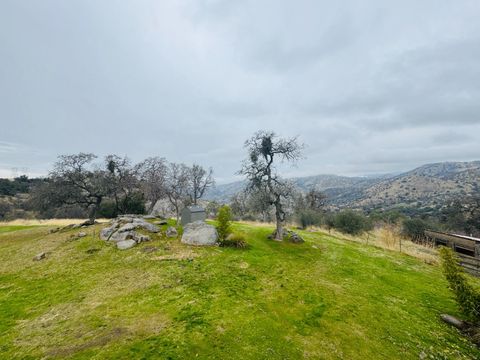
x,y
426,186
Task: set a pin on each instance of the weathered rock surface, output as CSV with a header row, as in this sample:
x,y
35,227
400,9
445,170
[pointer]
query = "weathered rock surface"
x,y
122,231
127,227
200,234
160,222
40,256
126,244
171,232
288,235
81,234
147,226
293,237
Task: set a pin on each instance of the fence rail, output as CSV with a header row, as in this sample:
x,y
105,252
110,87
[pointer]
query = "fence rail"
x,y
470,264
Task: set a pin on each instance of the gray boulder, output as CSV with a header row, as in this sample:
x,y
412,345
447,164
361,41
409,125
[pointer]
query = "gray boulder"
x,y
126,244
122,236
40,256
81,234
106,233
140,238
127,227
200,234
147,226
171,232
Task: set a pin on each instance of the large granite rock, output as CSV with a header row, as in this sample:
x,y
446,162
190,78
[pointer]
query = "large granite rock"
x,y
200,234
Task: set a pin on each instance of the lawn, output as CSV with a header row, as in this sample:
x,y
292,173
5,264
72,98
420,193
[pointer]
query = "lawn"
x,y
10,228
328,299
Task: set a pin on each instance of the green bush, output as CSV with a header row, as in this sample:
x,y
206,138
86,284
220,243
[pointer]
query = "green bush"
x,y
351,222
468,298
414,229
234,240
308,217
107,209
224,220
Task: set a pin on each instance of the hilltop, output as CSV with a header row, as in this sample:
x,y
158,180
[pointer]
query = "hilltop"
x,y
327,298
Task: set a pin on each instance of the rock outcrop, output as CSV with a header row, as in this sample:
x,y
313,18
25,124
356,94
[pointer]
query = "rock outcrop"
x,y
200,234
122,231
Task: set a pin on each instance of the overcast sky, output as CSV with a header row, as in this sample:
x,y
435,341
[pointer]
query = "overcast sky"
x,y
368,86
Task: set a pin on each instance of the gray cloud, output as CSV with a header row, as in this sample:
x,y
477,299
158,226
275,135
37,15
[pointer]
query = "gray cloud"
x,y
369,87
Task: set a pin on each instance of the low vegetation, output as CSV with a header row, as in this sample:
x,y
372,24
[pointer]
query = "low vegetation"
x,y
327,298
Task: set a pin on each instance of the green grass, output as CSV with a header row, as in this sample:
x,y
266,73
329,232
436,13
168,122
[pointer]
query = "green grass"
x,y
10,228
327,298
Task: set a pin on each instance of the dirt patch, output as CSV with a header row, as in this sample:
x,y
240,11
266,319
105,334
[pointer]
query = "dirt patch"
x,y
98,341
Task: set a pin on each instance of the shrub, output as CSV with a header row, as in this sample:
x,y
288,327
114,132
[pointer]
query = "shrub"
x,y
414,229
234,240
468,298
308,217
224,219
351,222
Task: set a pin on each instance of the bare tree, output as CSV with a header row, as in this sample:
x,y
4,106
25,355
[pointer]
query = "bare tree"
x,y
177,186
153,177
77,182
122,182
199,181
315,199
259,168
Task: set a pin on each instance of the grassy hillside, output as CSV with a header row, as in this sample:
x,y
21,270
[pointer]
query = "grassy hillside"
x,y
328,298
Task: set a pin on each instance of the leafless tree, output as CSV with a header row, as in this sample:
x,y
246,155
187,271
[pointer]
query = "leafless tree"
x,y
122,182
177,186
315,199
199,181
259,168
76,182
153,177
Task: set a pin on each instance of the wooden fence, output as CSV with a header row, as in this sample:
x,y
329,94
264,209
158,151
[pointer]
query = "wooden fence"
x,y
470,264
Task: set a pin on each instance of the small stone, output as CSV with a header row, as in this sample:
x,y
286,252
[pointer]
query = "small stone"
x,y
81,234
141,238
126,244
40,256
150,249
171,232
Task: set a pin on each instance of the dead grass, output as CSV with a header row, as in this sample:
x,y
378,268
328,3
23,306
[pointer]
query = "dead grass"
x,y
389,238
46,222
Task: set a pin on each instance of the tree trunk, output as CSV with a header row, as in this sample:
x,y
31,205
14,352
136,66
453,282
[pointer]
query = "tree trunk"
x,y
151,206
92,215
278,218
177,213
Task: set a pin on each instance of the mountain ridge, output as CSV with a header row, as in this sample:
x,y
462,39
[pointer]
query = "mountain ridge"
x,y
426,185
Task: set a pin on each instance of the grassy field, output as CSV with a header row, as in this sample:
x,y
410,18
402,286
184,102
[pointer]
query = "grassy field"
x,y
328,298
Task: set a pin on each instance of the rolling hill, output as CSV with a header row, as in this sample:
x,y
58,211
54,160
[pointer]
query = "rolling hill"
x,y
426,186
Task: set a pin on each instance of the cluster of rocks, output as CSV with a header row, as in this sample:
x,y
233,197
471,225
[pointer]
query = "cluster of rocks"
x,y
122,231
290,236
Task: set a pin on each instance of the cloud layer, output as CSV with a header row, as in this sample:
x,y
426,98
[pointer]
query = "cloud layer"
x,y
370,87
